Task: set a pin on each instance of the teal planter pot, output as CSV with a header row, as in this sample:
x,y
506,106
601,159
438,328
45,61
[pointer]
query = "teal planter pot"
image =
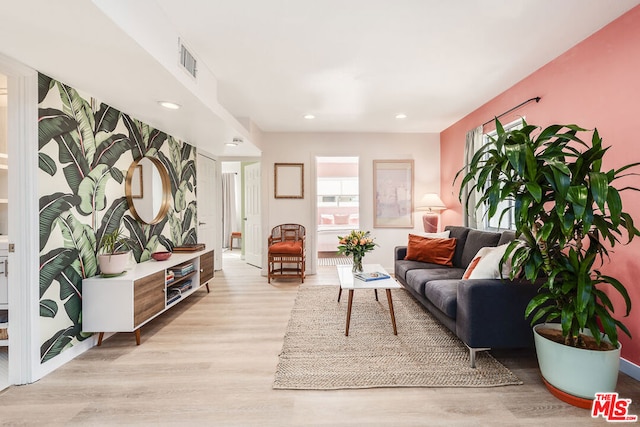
x,y
575,371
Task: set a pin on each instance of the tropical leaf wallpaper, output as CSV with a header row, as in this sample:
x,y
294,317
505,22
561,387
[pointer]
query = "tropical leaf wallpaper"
x,y
85,149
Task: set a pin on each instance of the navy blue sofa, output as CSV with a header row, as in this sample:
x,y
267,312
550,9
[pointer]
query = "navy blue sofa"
x,y
483,313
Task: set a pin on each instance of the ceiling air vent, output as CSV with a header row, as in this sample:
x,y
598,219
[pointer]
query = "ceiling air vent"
x,y
187,60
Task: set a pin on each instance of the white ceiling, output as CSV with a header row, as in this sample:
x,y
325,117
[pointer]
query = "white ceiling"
x,y
354,64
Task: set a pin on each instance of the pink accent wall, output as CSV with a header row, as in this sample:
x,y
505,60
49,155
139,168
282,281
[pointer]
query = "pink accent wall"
x,y
594,84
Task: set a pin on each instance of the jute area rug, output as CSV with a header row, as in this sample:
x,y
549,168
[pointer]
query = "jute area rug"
x,y
316,355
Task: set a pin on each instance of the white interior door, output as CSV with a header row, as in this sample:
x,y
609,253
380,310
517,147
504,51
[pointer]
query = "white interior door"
x,y
207,215
252,225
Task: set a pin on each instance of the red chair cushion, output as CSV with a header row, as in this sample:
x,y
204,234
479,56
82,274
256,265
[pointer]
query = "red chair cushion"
x,y
289,247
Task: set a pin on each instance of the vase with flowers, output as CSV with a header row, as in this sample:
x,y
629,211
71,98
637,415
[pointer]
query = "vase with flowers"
x,y
356,243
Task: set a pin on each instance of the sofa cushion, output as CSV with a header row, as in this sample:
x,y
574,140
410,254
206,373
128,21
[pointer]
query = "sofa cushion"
x,y
289,247
507,237
476,240
443,294
460,234
416,279
403,266
436,251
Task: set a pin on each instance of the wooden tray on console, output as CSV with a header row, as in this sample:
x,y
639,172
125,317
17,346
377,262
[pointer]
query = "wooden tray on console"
x,y
189,248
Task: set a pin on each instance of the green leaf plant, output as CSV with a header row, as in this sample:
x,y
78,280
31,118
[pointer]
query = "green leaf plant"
x,y
568,215
114,242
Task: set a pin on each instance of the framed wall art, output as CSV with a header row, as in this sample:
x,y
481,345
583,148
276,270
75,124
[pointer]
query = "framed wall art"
x,y
393,193
289,180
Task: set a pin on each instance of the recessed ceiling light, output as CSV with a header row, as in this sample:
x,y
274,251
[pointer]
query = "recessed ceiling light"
x,y
234,143
169,105
401,116
309,116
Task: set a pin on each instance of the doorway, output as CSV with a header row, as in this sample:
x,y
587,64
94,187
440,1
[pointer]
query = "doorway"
x,y
232,240
338,201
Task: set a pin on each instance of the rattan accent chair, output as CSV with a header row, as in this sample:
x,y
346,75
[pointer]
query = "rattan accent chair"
x,y
287,252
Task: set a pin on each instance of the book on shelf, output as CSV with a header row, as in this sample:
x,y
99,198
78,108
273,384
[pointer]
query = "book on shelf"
x,y
182,270
182,286
374,275
173,298
172,295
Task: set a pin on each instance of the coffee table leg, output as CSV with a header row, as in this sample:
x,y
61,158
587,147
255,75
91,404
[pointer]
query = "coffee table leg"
x,y
376,292
339,293
393,316
346,332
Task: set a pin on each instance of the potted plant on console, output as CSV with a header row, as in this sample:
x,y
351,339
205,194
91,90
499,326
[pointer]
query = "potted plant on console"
x,y
568,215
113,253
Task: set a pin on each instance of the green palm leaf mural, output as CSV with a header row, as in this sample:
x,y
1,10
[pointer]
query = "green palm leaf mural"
x,y
52,123
47,164
155,141
111,150
81,238
82,199
92,190
54,345
51,207
77,107
138,146
52,264
112,218
71,154
174,178
48,308
106,119
189,174
45,83
138,236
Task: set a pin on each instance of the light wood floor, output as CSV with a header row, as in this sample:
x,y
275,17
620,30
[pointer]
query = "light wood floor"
x,y
211,360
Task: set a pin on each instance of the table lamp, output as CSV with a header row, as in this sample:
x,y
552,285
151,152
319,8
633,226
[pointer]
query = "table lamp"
x,y
430,202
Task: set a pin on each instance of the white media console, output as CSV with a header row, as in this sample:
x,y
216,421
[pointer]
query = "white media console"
x,y
125,303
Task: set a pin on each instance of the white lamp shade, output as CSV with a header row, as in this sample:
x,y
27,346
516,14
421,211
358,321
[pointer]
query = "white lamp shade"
x,y
430,201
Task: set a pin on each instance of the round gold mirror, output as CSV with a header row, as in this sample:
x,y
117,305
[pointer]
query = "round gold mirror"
x,y
148,188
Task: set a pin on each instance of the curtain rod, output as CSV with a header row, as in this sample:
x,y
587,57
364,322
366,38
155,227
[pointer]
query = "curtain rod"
x,y
537,99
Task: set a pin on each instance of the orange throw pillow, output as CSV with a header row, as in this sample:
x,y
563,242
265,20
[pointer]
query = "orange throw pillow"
x,y
436,251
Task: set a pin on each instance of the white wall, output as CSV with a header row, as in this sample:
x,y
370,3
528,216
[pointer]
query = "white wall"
x,y
424,149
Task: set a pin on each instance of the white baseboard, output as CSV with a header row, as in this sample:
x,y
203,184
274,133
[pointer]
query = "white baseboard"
x,y
630,369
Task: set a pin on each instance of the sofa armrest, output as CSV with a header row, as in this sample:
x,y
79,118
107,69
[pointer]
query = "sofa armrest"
x,y
490,313
400,252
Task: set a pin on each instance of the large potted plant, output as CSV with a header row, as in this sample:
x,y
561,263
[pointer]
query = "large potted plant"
x,y
568,214
113,252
